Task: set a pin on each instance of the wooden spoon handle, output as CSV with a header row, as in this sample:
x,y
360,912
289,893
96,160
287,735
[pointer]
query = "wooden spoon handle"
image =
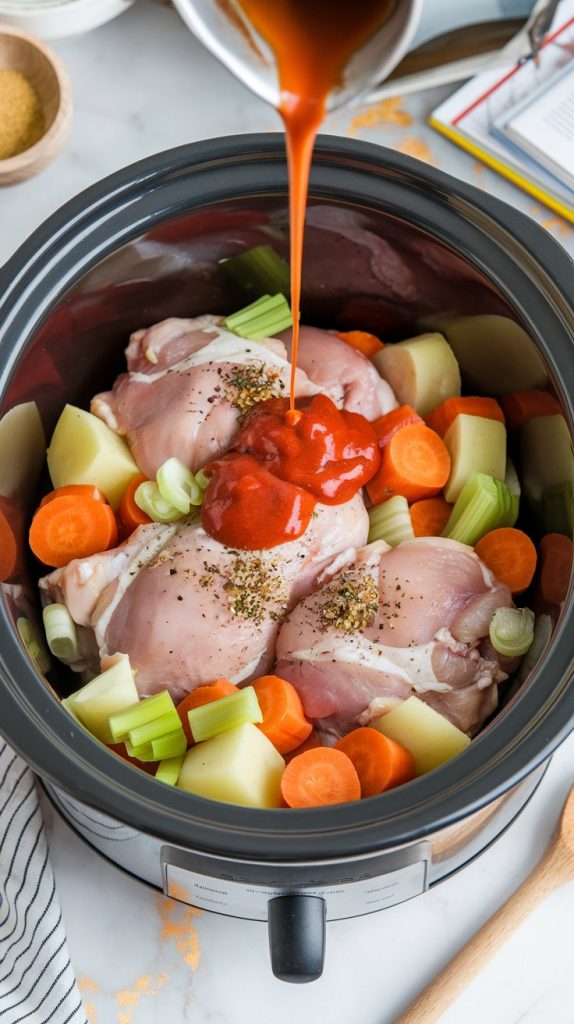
x,y
554,868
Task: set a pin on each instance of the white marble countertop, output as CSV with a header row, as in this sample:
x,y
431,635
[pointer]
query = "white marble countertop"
x,y
142,84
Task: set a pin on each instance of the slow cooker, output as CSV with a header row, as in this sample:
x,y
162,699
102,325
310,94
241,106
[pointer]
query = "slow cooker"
x,y
392,246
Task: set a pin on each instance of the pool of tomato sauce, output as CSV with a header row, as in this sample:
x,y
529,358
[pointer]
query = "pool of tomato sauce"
x,y
288,456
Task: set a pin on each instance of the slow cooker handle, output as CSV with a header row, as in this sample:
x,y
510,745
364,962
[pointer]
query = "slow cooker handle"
x,y
297,937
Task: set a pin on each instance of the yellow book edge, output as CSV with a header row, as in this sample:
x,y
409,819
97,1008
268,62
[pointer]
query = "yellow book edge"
x,y
507,172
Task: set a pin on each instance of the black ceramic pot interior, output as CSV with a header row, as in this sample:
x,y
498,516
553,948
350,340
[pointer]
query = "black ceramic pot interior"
x,y
391,247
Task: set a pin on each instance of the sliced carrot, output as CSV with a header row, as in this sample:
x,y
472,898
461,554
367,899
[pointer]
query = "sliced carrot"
x,y
313,740
319,777
130,515
556,554
72,527
363,341
441,418
415,463
75,491
510,555
430,516
386,426
198,697
520,406
284,721
379,765
11,531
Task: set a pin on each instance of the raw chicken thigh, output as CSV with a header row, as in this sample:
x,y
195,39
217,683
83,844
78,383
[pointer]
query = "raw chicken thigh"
x,y
391,623
341,372
187,386
187,609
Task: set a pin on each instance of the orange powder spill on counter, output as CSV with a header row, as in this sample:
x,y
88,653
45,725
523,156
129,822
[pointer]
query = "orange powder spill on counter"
x,y
417,148
387,113
129,999
177,926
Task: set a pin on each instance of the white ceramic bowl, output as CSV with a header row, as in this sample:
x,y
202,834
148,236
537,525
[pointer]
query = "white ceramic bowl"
x,y
55,19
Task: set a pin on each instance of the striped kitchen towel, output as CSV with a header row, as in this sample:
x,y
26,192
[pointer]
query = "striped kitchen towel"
x,y
37,983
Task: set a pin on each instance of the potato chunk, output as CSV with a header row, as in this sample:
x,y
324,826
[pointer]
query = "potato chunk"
x,y
475,444
84,450
430,737
110,692
422,371
239,767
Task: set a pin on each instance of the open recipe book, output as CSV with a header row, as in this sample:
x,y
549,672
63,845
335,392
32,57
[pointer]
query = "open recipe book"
x,y
520,121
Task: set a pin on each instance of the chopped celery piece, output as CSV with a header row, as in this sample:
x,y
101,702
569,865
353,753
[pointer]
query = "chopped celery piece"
x,y
178,486
31,638
201,479
476,445
391,521
542,637
149,498
239,767
262,319
154,729
108,694
60,630
258,270
171,745
511,631
224,714
142,753
558,509
169,769
513,484
478,509
144,711
506,505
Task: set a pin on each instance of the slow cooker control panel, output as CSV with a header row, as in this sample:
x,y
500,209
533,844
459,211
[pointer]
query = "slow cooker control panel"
x,y
349,889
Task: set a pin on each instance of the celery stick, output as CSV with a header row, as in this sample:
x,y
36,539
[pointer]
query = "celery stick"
x,y
513,484
391,521
152,730
169,769
60,630
108,694
262,319
140,714
258,270
32,640
481,505
142,753
224,714
201,479
511,631
171,745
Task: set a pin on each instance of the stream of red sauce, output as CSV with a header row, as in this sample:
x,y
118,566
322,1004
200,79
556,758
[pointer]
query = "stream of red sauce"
x,y
286,459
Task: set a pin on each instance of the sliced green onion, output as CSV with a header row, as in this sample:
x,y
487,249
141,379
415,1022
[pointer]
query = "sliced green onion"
x,y
149,498
391,521
31,638
169,769
171,745
479,508
224,714
511,631
60,631
201,479
262,319
152,730
258,270
144,711
558,509
178,486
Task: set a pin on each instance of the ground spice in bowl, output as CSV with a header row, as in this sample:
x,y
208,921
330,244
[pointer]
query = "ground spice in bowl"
x,y
22,120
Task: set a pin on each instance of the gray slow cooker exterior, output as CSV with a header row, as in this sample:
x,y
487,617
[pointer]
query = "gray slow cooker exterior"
x,y
158,833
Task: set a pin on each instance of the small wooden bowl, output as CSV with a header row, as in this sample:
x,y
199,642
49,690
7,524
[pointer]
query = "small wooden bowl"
x,y
25,53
